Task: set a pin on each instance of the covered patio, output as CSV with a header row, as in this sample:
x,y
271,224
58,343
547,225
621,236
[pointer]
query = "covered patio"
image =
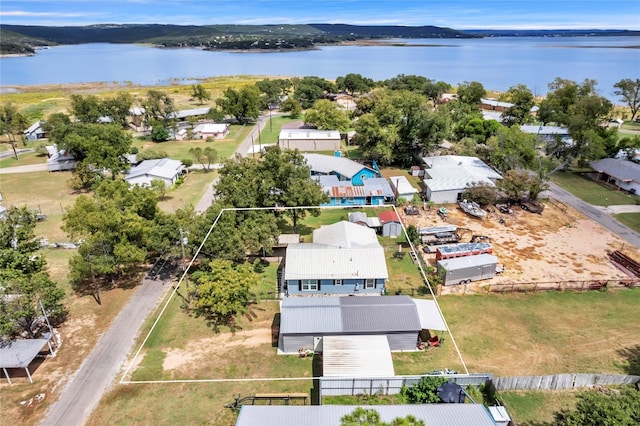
x,y
20,354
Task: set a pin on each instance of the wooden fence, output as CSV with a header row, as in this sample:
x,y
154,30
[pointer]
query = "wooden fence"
x,y
562,381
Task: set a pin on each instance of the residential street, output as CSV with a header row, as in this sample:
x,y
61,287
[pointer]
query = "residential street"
x,y
598,214
96,374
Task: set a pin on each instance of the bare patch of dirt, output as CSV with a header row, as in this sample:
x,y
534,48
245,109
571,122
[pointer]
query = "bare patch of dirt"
x,y
219,344
557,245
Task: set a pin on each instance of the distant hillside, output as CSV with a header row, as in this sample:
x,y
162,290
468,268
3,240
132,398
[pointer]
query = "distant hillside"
x,y
23,38
212,36
390,31
553,33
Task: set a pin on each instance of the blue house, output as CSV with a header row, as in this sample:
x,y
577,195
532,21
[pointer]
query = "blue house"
x,y
343,168
344,258
344,193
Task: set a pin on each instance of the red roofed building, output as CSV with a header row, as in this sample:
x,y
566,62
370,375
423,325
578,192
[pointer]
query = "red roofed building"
x,y
391,225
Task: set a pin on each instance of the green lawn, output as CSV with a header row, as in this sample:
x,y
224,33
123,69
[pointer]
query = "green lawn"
x,y
536,407
592,192
632,220
23,160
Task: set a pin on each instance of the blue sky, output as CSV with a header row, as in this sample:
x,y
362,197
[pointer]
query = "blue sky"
x,y
458,14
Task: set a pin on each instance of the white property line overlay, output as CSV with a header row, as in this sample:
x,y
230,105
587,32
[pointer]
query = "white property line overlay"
x,y
177,286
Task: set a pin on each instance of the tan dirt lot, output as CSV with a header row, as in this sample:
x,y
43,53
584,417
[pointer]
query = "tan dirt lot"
x,y
560,244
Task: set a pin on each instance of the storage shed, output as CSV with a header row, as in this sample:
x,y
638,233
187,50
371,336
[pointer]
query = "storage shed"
x,y
306,320
391,225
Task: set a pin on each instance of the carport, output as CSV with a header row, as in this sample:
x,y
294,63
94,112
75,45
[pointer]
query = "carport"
x,y
356,356
429,315
20,354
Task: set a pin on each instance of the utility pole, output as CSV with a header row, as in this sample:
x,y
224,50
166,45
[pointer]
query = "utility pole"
x,y
182,243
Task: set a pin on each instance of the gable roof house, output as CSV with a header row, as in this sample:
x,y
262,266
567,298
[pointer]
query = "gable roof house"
x,y
59,160
309,139
447,176
343,168
211,130
622,173
35,132
165,169
344,258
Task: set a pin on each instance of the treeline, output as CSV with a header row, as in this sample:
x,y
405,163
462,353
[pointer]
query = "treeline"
x,y
212,36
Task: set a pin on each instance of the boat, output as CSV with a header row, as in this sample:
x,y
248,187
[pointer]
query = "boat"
x,y
472,208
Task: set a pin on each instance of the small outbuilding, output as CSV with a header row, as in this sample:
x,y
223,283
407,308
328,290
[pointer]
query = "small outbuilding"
x,y
402,188
391,224
20,354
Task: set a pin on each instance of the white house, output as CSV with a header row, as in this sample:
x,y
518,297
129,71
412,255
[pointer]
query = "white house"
x,y
165,169
309,139
35,132
448,176
211,130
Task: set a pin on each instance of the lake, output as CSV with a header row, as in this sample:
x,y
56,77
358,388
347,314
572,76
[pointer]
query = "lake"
x,y
498,63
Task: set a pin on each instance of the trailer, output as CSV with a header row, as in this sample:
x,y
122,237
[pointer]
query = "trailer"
x,y
462,250
463,270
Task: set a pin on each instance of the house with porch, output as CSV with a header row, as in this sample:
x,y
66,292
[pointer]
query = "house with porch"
x,y
344,258
211,130
344,193
622,173
165,169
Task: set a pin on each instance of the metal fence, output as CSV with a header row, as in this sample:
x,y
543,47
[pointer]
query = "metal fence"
x,y
333,386
562,381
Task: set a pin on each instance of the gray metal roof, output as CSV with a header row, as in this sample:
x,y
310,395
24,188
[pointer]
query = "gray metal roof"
x,y
402,185
327,415
345,314
381,184
321,261
162,167
356,356
455,172
345,234
544,130
20,353
309,134
327,164
620,169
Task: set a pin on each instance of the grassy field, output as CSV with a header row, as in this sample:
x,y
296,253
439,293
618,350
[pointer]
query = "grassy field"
x,y
592,192
535,408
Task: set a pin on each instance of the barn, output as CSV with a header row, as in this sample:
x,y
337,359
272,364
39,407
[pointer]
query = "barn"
x,y
305,321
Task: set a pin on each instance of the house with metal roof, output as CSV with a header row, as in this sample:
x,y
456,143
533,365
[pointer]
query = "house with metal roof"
x,y
343,168
35,132
305,321
165,169
402,189
344,258
391,224
309,139
547,133
448,176
344,193
211,130
59,159
323,415
620,172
